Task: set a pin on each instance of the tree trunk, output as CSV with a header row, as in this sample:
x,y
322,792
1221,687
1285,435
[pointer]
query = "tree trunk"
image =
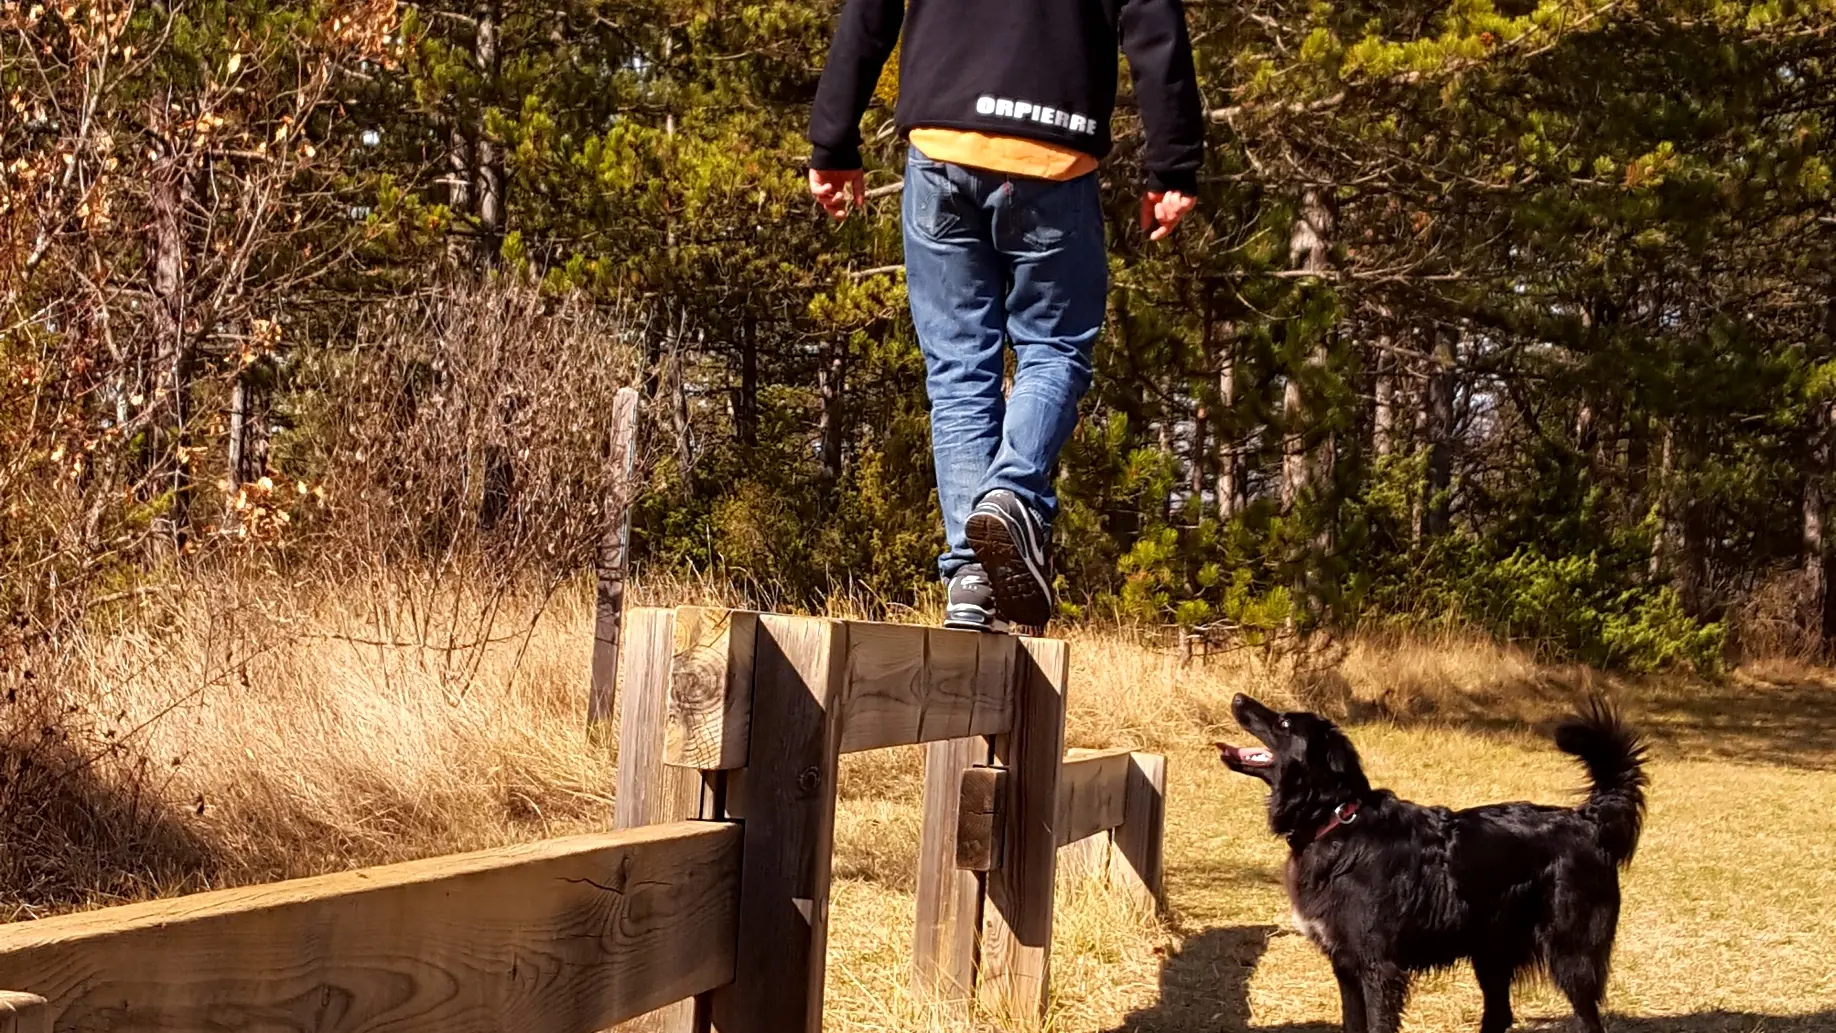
x,y
1814,590
1814,610
1230,475
685,452
1663,545
236,461
460,174
170,183
491,184
1638,459
1197,452
746,397
1303,469
1383,414
1438,503
1676,553
830,384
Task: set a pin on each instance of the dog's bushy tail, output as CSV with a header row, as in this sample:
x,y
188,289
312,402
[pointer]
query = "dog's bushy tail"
x,y
1615,758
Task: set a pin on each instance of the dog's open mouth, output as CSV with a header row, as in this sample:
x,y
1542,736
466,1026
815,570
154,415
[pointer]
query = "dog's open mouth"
x,y
1246,756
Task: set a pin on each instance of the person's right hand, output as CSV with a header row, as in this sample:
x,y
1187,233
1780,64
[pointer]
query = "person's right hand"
x,y
832,189
1161,211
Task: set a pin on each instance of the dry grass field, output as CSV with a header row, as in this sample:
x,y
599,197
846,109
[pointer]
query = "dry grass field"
x,y
339,731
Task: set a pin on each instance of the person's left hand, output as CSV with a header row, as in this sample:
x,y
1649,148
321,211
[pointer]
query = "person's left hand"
x,y
1162,210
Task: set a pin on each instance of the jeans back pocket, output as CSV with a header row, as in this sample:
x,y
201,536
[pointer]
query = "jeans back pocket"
x,y
1046,212
936,206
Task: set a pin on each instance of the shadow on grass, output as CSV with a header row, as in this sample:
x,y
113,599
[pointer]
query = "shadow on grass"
x,y
1204,988
75,834
1781,717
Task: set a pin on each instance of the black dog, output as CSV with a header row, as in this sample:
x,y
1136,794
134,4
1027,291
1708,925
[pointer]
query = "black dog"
x,y
1388,888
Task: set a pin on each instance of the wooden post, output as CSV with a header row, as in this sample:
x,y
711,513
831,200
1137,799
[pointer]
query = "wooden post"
x,y
949,895
1017,917
786,797
649,791
614,553
23,1013
1139,842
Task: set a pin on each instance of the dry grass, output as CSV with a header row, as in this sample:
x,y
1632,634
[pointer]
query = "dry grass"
x,y
326,730
344,729
1730,919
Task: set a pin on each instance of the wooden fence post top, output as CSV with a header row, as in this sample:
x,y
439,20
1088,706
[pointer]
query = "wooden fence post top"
x,y
23,1013
710,688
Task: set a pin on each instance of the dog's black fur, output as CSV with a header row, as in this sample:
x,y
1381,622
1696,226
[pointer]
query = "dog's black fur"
x,y
1388,888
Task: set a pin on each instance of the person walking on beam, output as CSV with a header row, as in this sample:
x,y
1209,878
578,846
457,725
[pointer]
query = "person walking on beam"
x,y
1005,105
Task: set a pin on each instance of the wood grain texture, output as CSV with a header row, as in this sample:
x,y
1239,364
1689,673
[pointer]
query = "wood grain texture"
x,y
710,688
978,822
1017,915
907,685
649,791
610,564
996,661
1092,789
23,1013
1086,859
564,936
786,797
949,899
1139,843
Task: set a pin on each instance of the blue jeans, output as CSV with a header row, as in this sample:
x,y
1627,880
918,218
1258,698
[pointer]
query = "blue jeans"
x,y
992,259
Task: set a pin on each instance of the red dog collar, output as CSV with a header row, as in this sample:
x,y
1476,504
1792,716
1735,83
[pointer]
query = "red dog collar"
x,y
1343,814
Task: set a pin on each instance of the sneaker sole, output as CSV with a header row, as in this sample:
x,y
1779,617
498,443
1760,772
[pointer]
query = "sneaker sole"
x,y
1021,593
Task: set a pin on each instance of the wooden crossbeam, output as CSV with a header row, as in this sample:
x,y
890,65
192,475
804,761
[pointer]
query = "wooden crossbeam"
x,y
564,936
1139,842
1092,793
908,685
901,685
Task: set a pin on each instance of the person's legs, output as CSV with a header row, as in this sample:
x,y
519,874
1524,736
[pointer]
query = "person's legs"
x,y
1052,237
955,281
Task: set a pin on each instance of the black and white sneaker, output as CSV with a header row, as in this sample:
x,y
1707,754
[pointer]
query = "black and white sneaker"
x,y
971,604
1010,542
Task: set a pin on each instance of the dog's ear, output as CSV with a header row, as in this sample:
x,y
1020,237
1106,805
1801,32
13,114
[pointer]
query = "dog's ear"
x,y
1339,756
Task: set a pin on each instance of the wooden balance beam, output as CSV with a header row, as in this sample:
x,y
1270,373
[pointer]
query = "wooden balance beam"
x,y
743,716
709,910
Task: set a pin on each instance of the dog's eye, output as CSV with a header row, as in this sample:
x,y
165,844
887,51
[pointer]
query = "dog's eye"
x,y
1284,724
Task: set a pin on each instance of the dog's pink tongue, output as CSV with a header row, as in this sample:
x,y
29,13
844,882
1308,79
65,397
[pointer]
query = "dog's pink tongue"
x,y
1253,757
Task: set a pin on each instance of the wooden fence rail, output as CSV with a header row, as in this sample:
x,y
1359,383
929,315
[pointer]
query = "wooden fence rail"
x,y
564,936
709,908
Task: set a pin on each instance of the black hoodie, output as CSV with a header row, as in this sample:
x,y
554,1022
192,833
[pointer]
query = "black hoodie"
x,y
1040,69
